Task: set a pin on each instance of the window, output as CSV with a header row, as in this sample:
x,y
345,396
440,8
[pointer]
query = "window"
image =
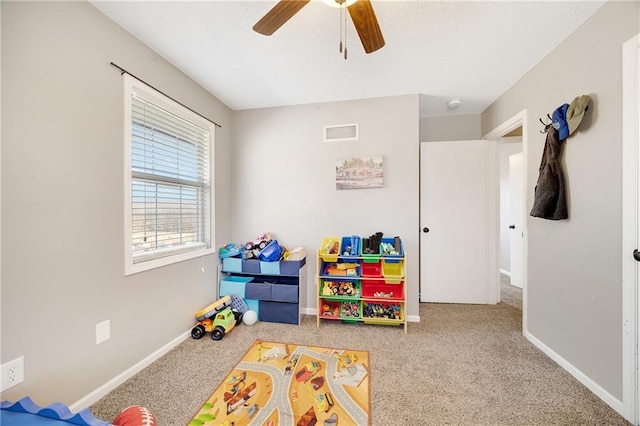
x,y
168,185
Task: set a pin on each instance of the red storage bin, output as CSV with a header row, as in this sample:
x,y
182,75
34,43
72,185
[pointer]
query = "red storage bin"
x,y
373,270
382,290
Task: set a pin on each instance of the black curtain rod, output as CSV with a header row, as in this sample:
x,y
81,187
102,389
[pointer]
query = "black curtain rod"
x,y
123,71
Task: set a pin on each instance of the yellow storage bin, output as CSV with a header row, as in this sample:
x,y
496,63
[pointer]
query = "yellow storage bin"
x,y
330,249
382,313
392,272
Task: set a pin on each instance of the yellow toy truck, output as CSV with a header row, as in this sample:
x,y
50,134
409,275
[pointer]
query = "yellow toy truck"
x,y
218,319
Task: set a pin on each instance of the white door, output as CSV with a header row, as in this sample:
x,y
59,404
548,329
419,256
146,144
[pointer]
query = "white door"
x,y
515,232
453,217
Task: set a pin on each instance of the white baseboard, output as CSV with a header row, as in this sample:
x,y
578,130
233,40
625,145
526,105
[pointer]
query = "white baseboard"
x,y
309,311
507,273
600,392
94,396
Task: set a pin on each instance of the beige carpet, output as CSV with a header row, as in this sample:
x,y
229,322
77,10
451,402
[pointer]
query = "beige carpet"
x,y
461,365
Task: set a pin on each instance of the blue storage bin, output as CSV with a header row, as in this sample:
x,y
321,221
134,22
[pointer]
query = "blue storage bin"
x,y
253,305
250,266
291,267
287,313
350,246
270,268
258,291
271,253
232,264
233,285
284,293
391,258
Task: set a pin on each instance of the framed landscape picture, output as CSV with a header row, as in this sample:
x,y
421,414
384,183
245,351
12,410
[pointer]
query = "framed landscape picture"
x,y
359,173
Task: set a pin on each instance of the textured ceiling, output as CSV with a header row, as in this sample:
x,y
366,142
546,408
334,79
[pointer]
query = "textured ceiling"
x,y
472,50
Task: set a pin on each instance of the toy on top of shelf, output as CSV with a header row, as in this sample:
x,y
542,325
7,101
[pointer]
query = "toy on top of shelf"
x,y
252,248
230,250
391,247
272,252
371,245
218,318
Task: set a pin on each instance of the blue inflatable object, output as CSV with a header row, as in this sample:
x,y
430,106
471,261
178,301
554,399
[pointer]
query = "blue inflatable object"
x,y
26,412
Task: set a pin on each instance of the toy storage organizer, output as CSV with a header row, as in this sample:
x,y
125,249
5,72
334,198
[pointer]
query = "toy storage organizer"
x,y
353,286
272,289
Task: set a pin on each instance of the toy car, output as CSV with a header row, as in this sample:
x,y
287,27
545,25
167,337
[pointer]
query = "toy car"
x,y
217,319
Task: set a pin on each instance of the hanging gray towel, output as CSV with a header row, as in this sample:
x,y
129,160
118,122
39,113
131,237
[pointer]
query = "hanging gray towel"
x,y
550,200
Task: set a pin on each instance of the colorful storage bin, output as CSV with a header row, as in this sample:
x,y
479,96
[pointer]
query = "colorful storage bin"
x,y
397,251
330,309
382,290
382,311
340,288
350,246
372,270
341,269
350,310
392,271
330,249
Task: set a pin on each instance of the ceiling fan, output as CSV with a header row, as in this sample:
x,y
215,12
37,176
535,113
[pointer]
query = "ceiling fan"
x,y
361,11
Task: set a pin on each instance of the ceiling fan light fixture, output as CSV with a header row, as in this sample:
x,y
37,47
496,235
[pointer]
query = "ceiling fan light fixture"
x,y
361,12
339,3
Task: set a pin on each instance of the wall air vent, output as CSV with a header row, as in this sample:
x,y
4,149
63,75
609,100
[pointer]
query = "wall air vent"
x,y
341,133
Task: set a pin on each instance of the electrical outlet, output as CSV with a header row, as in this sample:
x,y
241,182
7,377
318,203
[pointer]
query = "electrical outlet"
x,y
12,373
103,331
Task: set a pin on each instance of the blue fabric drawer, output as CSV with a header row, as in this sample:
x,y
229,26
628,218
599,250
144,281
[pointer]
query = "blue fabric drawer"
x,y
291,267
286,313
253,305
232,264
233,285
284,293
258,291
270,268
250,266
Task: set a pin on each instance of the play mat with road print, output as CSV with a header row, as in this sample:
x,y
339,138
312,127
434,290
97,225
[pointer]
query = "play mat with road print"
x,y
285,384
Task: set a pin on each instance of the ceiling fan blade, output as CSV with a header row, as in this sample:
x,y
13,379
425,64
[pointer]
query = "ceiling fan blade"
x,y
364,19
276,17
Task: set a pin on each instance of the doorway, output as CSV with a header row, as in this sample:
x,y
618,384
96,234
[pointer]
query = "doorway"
x,y
511,207
515,126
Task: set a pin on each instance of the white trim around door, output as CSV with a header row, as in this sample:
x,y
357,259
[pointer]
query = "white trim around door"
x,y
630,199
518,120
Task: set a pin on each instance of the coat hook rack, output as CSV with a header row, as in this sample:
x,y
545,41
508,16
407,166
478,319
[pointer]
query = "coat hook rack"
x,y
546,125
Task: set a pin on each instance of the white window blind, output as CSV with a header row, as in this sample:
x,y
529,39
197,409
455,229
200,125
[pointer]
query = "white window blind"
x,y
170,187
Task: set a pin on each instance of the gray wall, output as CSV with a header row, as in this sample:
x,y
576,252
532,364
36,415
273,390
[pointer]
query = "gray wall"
x,y
284,177
62,183
62,200
450,128
574,271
